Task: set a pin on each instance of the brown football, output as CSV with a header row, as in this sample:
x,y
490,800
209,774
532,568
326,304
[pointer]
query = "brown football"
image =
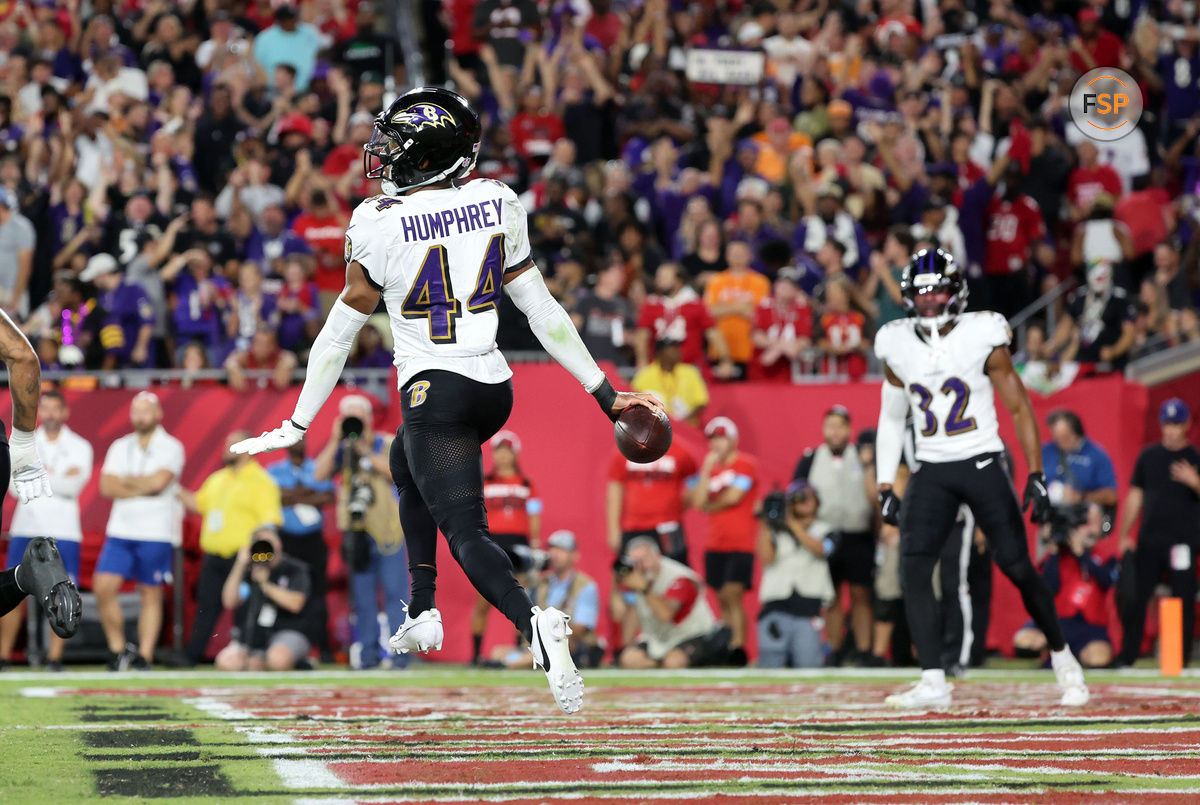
x,y
643,435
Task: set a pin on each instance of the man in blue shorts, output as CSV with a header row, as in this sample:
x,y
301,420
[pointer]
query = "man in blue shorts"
x,y
141,475
68,461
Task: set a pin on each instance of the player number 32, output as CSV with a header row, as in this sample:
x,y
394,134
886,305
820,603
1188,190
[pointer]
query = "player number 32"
x,y
954,424
432,294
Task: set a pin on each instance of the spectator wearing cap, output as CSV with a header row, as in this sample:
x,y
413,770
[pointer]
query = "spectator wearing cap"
x,y
514,516
1095,46
882,285
127,312
564,586
732,297
1077,468
1165,491
676,312
795,585
835,470
605,318
725,489
679,629
288,41
679,385
322,224
17,242
783,327
373,545
831,222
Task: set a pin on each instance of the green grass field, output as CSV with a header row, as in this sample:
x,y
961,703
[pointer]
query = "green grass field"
x,y
445,734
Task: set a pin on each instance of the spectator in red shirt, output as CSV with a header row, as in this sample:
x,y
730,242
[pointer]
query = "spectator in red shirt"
x,y
514,516
783,326
677,313
535,128
1015,228
645,500
604,24
1145,212
1089,180
725,490
343,165
264,353
843,331
1094,47
323,227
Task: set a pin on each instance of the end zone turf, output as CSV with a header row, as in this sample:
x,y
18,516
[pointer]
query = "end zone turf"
x,y
448,735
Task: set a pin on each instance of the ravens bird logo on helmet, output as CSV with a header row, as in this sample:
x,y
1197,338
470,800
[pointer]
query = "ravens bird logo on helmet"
x,y
424,115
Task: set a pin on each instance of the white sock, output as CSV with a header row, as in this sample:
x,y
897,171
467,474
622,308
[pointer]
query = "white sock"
x,y
1062,655
935,677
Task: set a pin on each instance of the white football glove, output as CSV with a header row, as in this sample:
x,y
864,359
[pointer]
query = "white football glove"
x,y
29,478
285,435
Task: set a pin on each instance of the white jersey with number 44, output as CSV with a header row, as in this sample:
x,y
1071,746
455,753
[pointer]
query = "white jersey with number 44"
x,y
439,258
949,391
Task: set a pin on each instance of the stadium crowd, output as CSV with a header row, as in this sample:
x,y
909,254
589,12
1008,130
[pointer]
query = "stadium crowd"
x,y
175,179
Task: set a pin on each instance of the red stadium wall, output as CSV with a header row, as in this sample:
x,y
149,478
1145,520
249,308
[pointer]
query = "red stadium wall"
x,y
567,446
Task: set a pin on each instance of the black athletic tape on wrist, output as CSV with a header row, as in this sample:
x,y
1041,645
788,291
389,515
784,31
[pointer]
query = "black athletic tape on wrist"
x,y
297,427
606,395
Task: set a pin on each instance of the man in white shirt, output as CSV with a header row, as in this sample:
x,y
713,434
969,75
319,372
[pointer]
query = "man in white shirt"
x,y
68,460
141,475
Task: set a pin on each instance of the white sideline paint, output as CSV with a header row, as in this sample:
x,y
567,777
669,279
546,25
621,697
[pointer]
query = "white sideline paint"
x,y
42,693
307,774
217,708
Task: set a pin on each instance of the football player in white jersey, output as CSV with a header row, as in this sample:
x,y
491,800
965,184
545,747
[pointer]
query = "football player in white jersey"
x,y
439,253
944,366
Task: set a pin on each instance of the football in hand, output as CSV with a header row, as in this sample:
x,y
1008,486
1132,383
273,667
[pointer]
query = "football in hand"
x,y
643,435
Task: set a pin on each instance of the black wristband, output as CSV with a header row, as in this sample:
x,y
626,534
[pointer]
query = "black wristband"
x,y
297,427
606,395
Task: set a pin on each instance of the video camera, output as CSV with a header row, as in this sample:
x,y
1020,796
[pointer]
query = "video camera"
x,y
774,509
262,552
352,428
1064,519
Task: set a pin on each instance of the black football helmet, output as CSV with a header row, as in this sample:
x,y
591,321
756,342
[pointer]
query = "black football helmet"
x,y
425,136
934,288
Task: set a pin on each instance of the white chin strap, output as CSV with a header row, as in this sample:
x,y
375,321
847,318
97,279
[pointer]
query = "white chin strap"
x,y
934,325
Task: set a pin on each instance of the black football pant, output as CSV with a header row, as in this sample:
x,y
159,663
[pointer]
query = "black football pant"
x,y
927,516
437,466
1152,560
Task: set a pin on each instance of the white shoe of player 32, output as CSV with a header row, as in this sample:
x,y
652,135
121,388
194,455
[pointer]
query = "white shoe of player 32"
x,y
1069,674
420,634
552,653
923,695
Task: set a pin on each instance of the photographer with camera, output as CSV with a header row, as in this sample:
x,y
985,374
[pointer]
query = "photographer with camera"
x,y
369,519
795,586
267,591
679,629
1079,582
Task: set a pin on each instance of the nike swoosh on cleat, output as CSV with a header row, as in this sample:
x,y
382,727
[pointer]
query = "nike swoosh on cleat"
x,y
542,643
981,464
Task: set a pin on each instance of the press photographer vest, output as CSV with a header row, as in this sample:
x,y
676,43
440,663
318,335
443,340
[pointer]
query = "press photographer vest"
x,y
662,636
382,518
839,484
796,570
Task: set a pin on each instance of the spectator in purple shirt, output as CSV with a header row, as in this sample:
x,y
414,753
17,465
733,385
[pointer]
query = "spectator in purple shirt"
x,y
369,351
201,302
126,311
752,229
66,214
10,132
272,240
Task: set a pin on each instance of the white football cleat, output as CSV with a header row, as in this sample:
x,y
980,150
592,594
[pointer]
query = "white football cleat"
x,y
923,695
420,634
552,653
1069,674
